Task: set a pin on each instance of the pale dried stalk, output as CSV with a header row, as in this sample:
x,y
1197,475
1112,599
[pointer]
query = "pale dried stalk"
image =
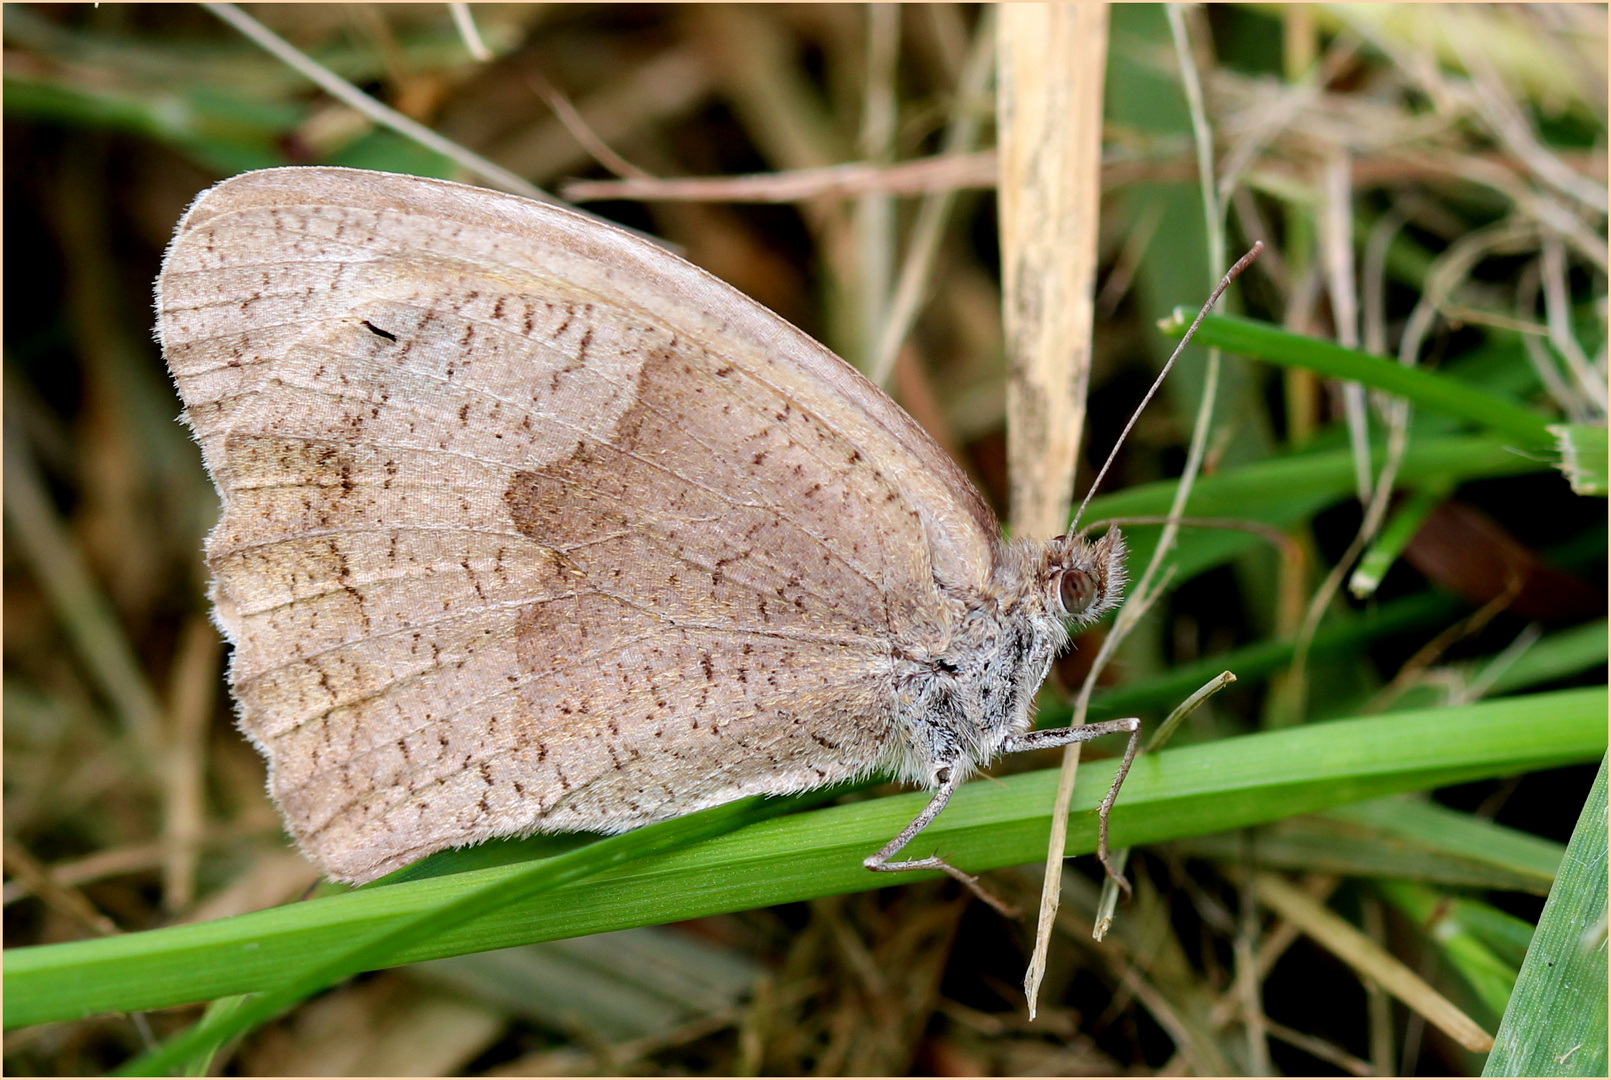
x,y
1256,228
20,864
569,1060
1191,1037
1557,306
978,169
1320,1048
1379,1008
1144,593
753,64
656,93
1049,101
464,23
1272,946
1398,422
1136,242
1509,236
1337,251
1356,950
1050,64
1273,116
1374,278
1455,98
757,73
1484,680
1415,668
1247,979
133,859
194,691
1572,403
1493,101
1450,268
103,864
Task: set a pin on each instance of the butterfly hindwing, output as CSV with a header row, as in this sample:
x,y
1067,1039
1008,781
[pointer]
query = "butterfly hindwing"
x,y
528,524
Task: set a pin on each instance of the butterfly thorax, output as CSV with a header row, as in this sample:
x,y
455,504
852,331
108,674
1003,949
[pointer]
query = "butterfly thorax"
x,y
958,704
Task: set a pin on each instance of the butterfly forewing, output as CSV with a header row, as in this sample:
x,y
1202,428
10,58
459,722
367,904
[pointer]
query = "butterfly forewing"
x,y
529,524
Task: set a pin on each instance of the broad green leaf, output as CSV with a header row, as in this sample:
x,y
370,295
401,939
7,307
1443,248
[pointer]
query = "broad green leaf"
x,y
1555,1024
1181,792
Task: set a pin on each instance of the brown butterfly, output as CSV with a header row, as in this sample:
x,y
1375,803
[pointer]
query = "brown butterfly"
x,y
530,525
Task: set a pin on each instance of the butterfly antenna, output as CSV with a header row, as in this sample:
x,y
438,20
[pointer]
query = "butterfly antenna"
x,y
1230,275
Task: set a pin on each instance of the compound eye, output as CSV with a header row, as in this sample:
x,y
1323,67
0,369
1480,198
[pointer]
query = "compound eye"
x,y
1075,591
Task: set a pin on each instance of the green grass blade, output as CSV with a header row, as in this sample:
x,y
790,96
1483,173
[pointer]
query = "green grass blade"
x,y
201,1061
1340,636
1250,489
1283,491
1390,543
1555,1024
1501,931
1488,975
487,897
1583,457
1261,341
1556,656
1533,860
227,134
1180,792
1402,837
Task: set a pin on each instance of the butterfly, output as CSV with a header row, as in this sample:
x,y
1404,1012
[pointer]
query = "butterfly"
x,y
529,525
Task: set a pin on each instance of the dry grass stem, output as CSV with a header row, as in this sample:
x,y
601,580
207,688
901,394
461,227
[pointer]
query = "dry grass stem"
x,y
343,91
192,696
962,132
79,603
1191,1039
1320,1048
464,22
1337,253
21,864
852,179
578,127
1359,952
1050,102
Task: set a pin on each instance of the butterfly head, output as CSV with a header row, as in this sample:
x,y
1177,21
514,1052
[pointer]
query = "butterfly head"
x,y
1082,580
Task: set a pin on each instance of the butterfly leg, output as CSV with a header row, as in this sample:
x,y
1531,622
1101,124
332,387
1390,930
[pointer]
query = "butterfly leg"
x,y
1051,737
948,783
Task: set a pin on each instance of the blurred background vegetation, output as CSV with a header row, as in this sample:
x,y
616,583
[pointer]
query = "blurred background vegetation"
x,y
1435,174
